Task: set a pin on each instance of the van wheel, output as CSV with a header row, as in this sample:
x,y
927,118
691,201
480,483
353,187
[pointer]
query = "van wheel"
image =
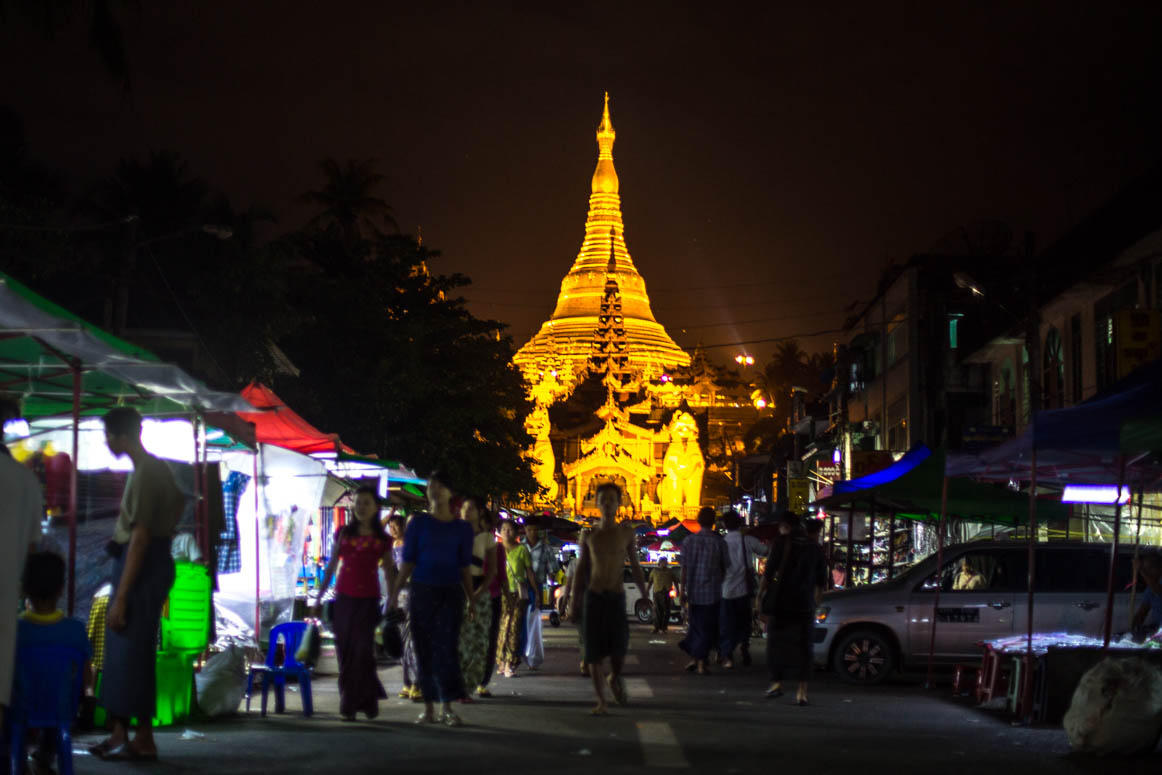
x,y
864,658
644,611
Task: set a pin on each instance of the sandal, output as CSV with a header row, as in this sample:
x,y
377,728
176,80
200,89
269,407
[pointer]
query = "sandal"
x,y
427,717
451,719
104,748
617,687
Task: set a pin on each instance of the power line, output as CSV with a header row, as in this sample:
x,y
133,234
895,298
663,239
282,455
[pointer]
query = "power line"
x,y
671,307
686,289
758,320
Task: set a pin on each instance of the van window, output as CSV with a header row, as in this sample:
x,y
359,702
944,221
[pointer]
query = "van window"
x,y
1081,570
992,569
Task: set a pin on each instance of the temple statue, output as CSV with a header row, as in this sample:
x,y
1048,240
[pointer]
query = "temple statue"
x,y
544,462
683,466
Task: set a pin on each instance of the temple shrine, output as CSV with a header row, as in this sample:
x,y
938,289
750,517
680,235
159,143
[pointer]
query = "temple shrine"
x,y
616,399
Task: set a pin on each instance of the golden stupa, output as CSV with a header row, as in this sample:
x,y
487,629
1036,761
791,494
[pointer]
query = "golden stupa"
x,y
560,353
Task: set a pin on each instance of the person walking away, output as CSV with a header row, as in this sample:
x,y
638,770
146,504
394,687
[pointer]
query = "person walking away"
x,y
396,527
438,562
21,512
791,589
359,551
545,567
495,589
604,627
475,631
43,625
661,581
514,605
738,590
705,563
144,573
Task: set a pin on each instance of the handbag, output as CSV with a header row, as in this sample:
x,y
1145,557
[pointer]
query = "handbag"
x,y
748,571
768,602
308,650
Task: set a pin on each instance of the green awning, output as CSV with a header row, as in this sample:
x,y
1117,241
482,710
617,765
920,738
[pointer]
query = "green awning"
x,y
43,345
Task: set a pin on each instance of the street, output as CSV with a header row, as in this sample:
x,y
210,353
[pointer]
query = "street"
x,y
539,722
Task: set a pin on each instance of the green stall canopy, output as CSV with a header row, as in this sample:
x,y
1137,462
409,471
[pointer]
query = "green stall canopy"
x,y
44,348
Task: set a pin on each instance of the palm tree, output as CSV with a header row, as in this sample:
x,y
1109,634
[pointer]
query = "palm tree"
x,y
106,34
348,199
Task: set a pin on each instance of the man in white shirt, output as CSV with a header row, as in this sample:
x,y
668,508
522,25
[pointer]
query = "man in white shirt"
x,y
738,590
21,512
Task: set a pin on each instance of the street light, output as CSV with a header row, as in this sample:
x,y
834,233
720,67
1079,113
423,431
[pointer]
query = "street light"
x,y
962,280
744,360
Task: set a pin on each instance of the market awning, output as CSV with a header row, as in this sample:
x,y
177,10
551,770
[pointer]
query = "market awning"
x,y
43,347
277,424
912,488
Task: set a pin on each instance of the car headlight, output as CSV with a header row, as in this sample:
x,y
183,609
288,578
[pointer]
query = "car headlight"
x,y
821,613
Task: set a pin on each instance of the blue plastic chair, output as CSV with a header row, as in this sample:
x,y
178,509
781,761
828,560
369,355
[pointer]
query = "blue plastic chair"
x,y
46,692
272,675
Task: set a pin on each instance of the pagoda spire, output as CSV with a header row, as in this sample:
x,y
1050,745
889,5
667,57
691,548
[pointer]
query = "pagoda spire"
x,y
605,176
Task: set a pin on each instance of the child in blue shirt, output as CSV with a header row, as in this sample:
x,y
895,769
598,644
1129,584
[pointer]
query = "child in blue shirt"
x,y
43,624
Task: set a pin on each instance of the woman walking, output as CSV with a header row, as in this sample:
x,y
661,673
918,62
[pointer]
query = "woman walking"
x,y
437,561
514,599
474,633
792,586
396,526
495,591
358,551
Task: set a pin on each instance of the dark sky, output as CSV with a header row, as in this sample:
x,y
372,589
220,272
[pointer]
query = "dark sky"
x,y
770,163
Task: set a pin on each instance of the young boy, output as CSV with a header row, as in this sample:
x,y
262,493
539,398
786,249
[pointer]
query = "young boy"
x,y
42,624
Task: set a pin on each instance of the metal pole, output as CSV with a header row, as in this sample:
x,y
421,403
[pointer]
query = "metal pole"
x,y
1031,540
257,556
892,545
1137,551
1109,623
939,577
831,551
72,589
849,577
871,541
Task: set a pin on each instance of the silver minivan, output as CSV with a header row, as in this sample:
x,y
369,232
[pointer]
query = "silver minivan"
x,y
864,634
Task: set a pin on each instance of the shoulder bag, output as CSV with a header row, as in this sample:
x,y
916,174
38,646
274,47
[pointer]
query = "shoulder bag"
x,y
768,603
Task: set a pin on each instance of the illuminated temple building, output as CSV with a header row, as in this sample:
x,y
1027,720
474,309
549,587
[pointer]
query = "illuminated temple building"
x,y
616,398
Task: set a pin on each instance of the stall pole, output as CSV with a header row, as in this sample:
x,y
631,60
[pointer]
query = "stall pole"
x,y
831,520
72,590
1137,551
871,542
1114,554
849,576
892,545
257,554
939,577
1031,540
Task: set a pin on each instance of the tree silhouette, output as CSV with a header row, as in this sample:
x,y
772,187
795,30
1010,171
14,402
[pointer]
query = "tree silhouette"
x,y
348,200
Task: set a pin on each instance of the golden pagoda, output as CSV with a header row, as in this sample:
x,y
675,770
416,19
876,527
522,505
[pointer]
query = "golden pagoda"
x,y
559,355
603,329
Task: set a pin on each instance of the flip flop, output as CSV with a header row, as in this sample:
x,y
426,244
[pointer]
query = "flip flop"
x,y
102,749
774,694
690,668
127,753
617,687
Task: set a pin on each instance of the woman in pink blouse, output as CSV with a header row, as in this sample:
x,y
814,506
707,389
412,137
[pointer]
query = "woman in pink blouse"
x,y
359,550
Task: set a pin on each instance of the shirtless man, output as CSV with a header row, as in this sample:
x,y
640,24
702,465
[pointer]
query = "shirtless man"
x,y
604,626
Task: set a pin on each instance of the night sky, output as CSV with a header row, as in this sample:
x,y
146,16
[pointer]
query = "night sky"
x,y
776,162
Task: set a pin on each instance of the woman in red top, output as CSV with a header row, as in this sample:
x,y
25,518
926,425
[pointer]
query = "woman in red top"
x,y
359,550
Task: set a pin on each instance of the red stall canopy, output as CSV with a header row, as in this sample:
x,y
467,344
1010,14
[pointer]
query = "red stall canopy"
x,y
276,423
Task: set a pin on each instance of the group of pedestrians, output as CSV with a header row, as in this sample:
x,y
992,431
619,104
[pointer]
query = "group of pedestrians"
x,y
723,598
470,604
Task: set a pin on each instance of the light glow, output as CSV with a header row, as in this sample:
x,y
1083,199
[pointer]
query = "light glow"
x,y
1095,493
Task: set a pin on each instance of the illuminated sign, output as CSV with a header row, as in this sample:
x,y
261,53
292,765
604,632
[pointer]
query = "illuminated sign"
x,y
1094,493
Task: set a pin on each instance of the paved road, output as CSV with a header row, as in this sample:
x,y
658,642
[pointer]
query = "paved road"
x,y
539,722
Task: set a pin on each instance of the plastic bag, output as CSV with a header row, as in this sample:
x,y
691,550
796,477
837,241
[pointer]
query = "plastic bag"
x,y
1116,709
308,651
222,682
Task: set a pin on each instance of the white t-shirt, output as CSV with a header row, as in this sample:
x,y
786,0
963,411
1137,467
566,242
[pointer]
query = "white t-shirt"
x,y
734,583
21,512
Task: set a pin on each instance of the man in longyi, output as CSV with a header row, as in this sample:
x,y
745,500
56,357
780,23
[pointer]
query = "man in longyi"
x,y
604,628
